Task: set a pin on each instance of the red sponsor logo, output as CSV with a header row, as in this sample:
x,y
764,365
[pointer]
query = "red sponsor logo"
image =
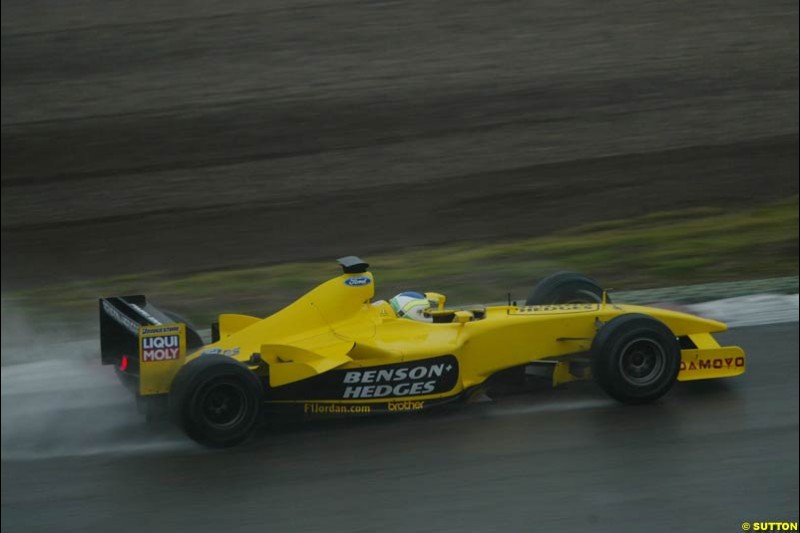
x,y
161,348
709,364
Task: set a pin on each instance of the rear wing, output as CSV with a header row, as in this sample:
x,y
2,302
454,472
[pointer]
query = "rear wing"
x,y
121,318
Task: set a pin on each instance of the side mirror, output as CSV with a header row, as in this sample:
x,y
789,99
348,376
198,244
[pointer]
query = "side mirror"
x,y
462,317
436,298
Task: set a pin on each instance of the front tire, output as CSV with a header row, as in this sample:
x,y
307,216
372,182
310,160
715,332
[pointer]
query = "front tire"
x,y
216,400
565,288
635,358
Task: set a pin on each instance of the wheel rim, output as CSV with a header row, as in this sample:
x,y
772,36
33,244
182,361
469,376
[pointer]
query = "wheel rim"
x,y
642,362
223,405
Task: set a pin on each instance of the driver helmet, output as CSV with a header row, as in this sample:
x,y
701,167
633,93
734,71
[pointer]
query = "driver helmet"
x,y
411,305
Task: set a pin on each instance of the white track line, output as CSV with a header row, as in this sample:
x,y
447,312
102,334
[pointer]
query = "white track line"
x,y
754,310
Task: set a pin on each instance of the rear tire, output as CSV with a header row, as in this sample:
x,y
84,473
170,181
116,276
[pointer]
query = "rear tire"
x,y
635,358
565,288
216,400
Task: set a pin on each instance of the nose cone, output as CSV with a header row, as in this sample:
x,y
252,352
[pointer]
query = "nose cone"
x,y
683,323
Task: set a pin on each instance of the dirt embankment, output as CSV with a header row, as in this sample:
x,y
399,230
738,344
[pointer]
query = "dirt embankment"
x,y
157,140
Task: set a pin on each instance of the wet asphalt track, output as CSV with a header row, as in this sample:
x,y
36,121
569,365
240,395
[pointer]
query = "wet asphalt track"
x,y
706,458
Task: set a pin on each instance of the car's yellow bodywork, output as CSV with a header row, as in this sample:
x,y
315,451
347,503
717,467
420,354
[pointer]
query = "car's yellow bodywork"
x,y
338,330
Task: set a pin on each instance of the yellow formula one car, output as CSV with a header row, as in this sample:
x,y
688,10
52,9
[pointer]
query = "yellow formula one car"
x,y
335,351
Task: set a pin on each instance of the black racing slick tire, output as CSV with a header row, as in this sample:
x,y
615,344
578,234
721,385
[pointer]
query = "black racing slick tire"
x,y
565,288
635,358
216,400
